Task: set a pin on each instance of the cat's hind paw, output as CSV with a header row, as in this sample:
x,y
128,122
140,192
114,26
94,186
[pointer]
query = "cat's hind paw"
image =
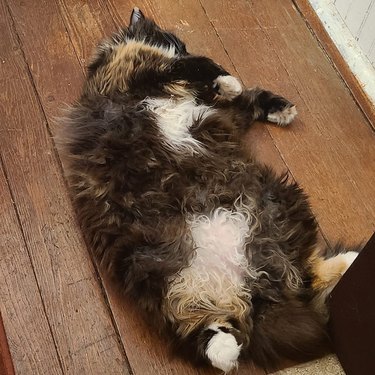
x,y
228,87
284,116
223,350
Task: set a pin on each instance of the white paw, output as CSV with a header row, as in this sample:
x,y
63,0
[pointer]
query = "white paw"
x,y
223,350
349,258
283,117
229,86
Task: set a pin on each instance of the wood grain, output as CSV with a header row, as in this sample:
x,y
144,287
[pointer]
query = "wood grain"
x,y
29,336
87,23
76,310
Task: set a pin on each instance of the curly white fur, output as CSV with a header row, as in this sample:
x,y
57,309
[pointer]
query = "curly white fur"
x,y
175,119
214,284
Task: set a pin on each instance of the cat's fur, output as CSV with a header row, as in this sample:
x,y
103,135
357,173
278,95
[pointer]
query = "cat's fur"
x,y
213,245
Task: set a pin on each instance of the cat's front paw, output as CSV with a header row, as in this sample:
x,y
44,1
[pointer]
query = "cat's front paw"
x,y
281,111
228,87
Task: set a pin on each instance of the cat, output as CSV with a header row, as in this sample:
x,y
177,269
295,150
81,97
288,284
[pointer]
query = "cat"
x,y
216,249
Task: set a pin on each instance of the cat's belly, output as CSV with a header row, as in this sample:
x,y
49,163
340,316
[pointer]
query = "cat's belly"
x,y
220,245
216,278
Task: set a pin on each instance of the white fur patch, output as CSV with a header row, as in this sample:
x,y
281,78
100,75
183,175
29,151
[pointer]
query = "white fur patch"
x,y
214,282
229,86
223,350
166,51
175,118
220,240
349,257
283,117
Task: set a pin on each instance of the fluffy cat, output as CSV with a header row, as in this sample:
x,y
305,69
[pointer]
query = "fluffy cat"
x,y
216,248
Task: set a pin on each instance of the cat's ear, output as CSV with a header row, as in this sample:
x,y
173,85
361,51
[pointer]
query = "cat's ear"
x,y
136,16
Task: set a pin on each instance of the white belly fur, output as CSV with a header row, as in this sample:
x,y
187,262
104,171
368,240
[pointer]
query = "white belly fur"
x,y
175,118
220,241
213,285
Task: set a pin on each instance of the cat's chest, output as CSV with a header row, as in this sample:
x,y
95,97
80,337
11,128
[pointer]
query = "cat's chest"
x,y
174,119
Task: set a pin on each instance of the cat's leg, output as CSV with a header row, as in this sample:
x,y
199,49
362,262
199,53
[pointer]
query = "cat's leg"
x,y
209,315
208,80
221,347
214,340
195,69
258,104
218,344
208,303
213,85
188,278
327,267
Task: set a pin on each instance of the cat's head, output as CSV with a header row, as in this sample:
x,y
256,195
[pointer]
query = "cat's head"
x,y
143,45
146,30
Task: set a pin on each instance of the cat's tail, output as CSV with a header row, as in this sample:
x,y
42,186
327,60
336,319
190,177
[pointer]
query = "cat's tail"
x,y
326,266
287,330
295,328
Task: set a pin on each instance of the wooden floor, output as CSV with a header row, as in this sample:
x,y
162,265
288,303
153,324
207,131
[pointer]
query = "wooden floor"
x,y
60,316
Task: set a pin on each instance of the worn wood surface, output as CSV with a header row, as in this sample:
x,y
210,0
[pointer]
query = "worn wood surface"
x,y
29,335
85,327
75,308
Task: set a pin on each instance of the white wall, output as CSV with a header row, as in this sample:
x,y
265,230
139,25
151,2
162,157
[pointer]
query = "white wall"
x,y
359,17
351,26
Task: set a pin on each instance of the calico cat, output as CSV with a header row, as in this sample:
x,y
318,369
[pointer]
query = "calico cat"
x,y
215,248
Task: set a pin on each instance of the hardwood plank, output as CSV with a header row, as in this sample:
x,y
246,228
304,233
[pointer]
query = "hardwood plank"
x,y
87,22
324,154
76,309
26,325
347,150
50,55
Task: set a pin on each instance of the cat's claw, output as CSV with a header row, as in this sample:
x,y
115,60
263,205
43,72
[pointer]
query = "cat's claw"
x,y
228,86
284,116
